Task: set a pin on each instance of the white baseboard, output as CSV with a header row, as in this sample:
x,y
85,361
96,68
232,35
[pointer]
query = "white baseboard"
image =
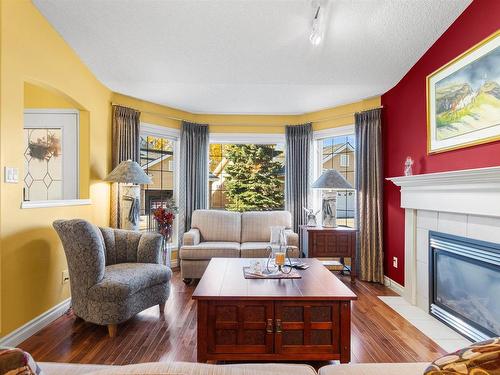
x,y
33,326
398,288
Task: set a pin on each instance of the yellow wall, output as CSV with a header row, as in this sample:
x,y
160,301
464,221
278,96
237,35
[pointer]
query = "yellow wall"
x,y
31,256
268,124
328,118
154,113
34,60
339,116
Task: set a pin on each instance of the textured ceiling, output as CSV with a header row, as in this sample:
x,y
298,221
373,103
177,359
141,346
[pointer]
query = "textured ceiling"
x,y
249,56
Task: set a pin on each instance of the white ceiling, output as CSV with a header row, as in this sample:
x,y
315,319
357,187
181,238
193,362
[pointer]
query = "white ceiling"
x,y
249,56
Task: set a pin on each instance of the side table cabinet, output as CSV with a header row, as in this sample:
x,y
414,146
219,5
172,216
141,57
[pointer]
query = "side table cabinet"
x,y
320,242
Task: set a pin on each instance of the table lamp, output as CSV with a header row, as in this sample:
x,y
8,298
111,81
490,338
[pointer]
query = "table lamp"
x,y
330,181
129,175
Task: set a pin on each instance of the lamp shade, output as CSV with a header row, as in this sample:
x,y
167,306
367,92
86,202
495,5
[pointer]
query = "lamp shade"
x,y
128,172
331,179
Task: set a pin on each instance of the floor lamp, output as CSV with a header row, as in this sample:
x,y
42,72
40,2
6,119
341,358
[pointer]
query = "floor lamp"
x,y
330,182
129,174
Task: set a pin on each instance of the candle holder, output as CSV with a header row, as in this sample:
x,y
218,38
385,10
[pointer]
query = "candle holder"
x,y
278,260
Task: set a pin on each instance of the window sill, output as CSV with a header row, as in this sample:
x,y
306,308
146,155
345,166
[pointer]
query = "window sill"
x,y
56,203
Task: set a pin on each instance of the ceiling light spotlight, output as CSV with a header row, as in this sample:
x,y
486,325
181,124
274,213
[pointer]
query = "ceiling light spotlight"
x,y
316,35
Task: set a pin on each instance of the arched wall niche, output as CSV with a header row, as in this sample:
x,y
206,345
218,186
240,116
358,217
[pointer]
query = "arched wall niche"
x,y
43,98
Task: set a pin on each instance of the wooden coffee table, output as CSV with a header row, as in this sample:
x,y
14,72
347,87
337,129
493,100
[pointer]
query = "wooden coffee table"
x,y
242,319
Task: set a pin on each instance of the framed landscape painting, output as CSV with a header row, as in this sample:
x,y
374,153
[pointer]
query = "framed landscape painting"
x,y
463,99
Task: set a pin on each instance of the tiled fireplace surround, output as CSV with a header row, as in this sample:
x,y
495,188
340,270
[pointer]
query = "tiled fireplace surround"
x,y
464,225
464,203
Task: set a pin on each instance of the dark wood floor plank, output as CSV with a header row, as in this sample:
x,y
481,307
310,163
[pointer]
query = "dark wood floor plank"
x,y
379,334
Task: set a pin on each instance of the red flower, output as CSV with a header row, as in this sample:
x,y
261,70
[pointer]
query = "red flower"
x,y
165,219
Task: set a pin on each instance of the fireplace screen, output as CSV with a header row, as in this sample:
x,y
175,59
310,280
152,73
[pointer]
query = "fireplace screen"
x,y
465,285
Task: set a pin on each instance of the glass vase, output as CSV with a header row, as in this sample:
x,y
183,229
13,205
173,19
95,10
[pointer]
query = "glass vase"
x,y
166,252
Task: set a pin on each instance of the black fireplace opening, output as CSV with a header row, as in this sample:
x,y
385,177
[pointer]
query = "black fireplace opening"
x,y
464,284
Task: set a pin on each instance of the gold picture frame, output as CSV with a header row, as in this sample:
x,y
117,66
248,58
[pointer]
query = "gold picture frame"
x,y
463,99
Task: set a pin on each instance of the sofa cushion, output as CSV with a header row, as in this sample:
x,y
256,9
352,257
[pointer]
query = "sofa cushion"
x,y
258,250
166,368
254,249
209,250
374,369
125,279
256,225
217,225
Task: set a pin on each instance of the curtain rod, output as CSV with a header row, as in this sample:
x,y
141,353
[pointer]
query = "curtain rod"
x,y
252,124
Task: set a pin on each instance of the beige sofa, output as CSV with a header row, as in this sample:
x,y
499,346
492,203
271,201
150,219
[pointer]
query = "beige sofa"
x,y
165,368
226,234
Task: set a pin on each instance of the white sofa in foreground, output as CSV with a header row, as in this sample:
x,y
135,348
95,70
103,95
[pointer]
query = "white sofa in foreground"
x,y
168,368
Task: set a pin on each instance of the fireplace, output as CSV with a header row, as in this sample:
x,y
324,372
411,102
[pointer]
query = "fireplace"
x,y
464,284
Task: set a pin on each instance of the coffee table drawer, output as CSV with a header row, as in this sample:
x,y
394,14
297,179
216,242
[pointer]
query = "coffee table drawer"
x,y
240,327
307,327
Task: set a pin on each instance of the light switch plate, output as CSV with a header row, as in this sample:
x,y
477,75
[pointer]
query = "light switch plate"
x,y
11,175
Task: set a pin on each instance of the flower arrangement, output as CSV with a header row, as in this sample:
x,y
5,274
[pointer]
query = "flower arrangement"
x,y
44,149
165,219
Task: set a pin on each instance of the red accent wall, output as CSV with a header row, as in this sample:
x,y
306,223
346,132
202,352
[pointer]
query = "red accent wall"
x,y
405,125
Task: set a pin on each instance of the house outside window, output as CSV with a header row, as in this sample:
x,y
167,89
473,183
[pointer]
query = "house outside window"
x,y
246,177
344,160
158,159
338,152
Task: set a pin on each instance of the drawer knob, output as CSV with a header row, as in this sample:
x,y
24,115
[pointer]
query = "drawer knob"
x,y
269,326
278,326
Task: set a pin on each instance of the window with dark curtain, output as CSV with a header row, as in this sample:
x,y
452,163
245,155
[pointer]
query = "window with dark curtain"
x,y
157,160
338,153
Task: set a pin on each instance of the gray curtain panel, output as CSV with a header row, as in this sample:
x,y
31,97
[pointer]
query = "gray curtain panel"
x,y
369,179
193,184
298,171
126,131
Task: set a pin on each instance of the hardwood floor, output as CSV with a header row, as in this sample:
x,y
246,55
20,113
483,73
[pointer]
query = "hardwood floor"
x,y
379,334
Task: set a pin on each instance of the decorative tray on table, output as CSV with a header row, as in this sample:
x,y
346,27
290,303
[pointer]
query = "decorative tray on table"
x,y
265,274
249,274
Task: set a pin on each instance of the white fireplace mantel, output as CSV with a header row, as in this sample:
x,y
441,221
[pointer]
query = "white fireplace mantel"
x,y
468,191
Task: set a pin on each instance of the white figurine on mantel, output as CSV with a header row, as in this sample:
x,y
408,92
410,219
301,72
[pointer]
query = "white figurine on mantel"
x,y
311,217
409,166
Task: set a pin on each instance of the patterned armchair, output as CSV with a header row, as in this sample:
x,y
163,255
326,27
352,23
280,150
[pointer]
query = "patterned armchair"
x,y
114,274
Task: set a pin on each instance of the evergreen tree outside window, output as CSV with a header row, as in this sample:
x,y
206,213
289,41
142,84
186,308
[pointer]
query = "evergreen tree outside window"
x,y
246,177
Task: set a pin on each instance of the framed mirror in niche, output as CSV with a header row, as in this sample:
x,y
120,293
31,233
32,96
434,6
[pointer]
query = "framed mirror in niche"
x,y
51,156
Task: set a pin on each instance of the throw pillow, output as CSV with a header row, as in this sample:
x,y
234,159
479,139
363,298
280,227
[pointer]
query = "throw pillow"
x,y
14,361
481,358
